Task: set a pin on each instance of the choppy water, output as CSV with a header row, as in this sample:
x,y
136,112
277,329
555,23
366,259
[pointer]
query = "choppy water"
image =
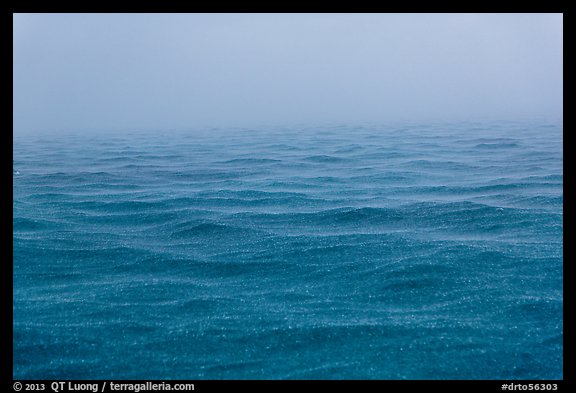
x,y
422,252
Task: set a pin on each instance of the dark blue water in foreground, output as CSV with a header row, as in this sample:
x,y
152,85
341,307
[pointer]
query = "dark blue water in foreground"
x,y
422,252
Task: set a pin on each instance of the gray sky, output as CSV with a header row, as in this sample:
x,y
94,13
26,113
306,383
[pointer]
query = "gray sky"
x,y
161,71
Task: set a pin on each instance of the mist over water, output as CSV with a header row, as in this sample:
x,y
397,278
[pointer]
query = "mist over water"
x,y
416,252
101,72
287,196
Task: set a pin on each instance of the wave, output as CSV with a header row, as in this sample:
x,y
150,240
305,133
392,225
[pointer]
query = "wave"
x,y
251,161
501,145
304,253
326,159
206,229
20,224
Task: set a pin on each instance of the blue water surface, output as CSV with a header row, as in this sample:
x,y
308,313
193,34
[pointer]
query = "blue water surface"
x,y
334,252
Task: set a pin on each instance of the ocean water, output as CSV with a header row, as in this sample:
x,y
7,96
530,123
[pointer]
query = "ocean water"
x,y
342,252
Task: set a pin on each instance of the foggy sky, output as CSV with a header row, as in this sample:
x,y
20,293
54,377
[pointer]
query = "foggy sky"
x,y
163,71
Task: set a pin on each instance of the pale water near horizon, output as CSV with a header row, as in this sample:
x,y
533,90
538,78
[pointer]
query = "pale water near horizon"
x,y
417,252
